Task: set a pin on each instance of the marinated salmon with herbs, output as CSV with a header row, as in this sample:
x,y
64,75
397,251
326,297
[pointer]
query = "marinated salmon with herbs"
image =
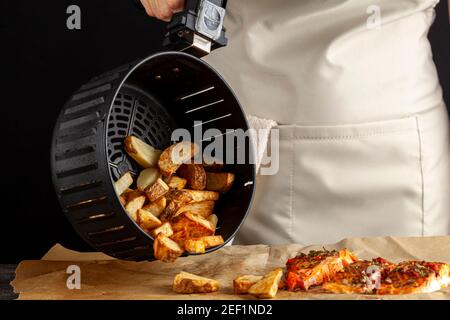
x,y
415,277
356,277
315,268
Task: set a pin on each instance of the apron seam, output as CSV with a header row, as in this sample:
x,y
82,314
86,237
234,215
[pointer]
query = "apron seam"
x,y
353,137
419,135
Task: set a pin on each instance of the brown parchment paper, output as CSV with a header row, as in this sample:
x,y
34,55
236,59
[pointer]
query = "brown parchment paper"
x,y
105,278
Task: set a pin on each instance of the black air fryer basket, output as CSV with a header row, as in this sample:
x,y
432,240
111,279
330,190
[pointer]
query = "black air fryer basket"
x,y
147,99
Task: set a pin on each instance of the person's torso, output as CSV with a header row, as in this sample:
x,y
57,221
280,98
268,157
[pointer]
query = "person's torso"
x,y
309,61
363,147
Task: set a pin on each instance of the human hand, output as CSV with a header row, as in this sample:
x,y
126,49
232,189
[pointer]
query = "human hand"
x,y
163,9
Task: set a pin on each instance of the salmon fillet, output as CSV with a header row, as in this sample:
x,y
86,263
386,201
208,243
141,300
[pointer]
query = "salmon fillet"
x,y
355,278
416,277
403,278
315,268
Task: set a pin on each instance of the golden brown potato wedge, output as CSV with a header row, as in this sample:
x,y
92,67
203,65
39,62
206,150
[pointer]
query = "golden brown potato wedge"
x,y
134,205
165,229
125,195
131,194
156,190
170,211
213,219
147,177
165,249
190,283
179,199
147,220
194,245
194,174
156,207
199,196
174,156
144,154
203,209
267,287
127,191
122,200
175,182
170,194
123,183
220,182
242,284
179,237
194,226
212,241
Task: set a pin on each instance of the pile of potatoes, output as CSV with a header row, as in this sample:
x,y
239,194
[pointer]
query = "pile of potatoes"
x,y
173,198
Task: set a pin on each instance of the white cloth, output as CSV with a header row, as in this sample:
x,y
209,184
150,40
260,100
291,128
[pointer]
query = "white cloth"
x,y
364,141
260,136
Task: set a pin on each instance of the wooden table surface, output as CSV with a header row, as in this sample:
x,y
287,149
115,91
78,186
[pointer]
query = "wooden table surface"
x,y
7,273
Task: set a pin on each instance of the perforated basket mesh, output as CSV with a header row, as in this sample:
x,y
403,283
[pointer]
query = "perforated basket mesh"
x,y
148,99
135,113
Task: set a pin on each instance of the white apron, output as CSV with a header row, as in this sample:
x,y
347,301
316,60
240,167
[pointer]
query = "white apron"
x,y
364,140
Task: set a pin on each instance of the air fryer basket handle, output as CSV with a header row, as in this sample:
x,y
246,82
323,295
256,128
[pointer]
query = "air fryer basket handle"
x,y
198,29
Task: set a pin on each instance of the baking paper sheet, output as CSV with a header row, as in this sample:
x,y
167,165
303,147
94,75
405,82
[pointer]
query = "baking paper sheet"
x,y
105,278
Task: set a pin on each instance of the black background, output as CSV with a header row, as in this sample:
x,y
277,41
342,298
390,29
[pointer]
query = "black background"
x,y
42,63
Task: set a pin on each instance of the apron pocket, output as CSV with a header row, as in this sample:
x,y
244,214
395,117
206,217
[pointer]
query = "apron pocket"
x,y
336,182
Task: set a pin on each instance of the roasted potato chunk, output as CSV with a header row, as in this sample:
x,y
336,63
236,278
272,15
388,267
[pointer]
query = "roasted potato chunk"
x,y
125,194
147,177
165,229
194,226
242,284
175,182
144,154
214,220
156,207
147,220
165,249
194,245
194,174
174,156
203,209
197,245
179,199
127,190
190,283
123,183
179,237
156,190
199,196
134,205
220,182
267,287
212,241
174,197
129,194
